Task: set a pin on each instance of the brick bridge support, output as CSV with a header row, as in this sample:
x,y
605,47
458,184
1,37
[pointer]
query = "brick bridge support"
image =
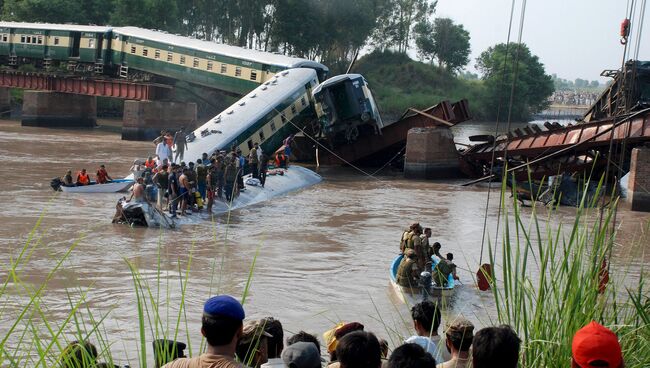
x,y
431,154
143,120
55,109
639,182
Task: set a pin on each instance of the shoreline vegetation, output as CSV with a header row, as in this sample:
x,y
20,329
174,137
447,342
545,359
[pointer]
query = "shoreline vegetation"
x,y
545,287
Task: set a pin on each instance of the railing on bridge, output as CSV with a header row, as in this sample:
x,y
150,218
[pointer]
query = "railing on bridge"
x,y
85,86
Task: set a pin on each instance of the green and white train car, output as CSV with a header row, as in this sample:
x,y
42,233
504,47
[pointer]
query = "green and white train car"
x,y
228,68
267,115
43,42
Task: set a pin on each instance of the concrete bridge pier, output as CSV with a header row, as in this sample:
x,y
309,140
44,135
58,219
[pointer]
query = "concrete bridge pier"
x,y
639,182
5,101
143,120
55,109
431,154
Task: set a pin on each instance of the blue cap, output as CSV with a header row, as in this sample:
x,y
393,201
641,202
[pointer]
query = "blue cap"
x,y
224,305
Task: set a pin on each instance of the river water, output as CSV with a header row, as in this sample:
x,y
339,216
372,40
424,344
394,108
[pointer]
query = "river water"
x,y
322,253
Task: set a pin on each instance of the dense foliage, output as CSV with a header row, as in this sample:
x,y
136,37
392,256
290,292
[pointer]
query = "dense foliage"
x,y
500,65
332,32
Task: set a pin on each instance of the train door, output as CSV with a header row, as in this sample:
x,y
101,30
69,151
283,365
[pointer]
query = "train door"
x,y
75,44
12,42
46,44
100,44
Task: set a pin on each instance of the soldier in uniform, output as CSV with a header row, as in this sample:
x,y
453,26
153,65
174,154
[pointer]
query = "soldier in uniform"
x,y
406,235
428,251
408,272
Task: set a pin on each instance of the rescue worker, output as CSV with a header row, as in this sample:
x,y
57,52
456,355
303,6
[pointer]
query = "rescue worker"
x,y
201,175
173,189
408,273
264,167
241,167
230,178
436,250
253,161
67,179
102,175
211,186
161,181
405,237
280,160
150,163
218,166
181,144
138,191
83,178
443,269
428,251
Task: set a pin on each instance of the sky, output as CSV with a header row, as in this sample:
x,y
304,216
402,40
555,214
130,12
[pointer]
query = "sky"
x,y
572,38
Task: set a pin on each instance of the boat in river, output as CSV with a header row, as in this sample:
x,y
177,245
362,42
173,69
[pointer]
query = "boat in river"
x,y
113,186
416,294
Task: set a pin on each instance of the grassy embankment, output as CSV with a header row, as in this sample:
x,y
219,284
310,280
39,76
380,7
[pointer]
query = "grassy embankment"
x,y
546,289
399,82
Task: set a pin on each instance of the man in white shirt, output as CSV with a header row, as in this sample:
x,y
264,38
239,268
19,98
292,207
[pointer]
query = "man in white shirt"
x,y
426,320
163,152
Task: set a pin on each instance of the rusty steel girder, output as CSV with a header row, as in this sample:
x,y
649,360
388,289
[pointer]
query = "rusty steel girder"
x,y
115,88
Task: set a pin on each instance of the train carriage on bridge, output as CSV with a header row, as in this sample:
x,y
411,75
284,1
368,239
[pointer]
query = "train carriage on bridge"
x,y
78,47
228,68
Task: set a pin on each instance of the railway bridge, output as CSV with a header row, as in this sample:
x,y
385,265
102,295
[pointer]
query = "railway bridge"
x,y
63,69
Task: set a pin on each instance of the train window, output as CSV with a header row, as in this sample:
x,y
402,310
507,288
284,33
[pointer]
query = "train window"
x,y
284,119
22,39
182,59
91,43
302,101
224,68
40,40
293,109
253,75
4,38
250,144
170,57
133,49
156,54
195,63
272,126
145,52
56,40
29,39
237,72
261,136
209,65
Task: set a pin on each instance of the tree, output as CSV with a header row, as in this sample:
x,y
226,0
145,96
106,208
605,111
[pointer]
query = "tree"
x,y
444,41
532,86
395,22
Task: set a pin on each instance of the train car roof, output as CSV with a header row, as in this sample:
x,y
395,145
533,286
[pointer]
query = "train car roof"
x,y
336,79
232,121
222,49
56,27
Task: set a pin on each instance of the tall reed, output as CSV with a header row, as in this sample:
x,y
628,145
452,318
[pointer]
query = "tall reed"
x,y
548,283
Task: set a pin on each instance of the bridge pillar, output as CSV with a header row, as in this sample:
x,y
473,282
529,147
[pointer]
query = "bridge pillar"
x,y
54,109
639,182
143,120
5,101
431,154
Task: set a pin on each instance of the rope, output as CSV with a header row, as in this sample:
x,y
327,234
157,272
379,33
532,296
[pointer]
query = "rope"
x,y
496,131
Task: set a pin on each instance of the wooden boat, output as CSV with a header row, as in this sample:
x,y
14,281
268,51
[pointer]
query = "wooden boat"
x,y
414,295
117,185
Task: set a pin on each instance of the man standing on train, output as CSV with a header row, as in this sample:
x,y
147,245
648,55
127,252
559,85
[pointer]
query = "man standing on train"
x,y
181,144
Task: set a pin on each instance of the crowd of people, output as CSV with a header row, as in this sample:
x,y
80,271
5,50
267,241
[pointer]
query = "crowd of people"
x,y
414,245
183,188
233,342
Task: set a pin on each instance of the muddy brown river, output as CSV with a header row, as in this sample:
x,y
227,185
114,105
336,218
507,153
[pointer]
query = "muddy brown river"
x,y
323,253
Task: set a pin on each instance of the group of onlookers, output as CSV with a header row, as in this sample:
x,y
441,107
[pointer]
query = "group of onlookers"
x,y
233,342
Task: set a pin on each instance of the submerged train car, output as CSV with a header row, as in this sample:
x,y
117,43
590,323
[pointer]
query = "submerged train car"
x,y
267,115
346,108
229,68
83,47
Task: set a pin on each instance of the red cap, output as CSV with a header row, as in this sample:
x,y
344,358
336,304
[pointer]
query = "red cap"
x,y
595,342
